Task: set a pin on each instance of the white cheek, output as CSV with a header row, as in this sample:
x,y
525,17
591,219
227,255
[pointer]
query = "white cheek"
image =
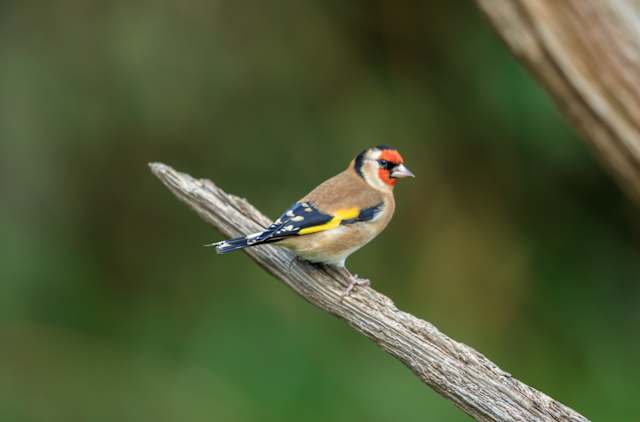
x,y
370,171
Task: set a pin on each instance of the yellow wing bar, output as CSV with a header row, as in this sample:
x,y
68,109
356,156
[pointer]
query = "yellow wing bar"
x,y
344,214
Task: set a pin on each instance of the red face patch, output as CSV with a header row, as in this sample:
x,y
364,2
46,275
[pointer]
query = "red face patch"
x,y
392,156
385,176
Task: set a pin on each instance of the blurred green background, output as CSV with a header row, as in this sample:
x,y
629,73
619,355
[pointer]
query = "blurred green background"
x,y
512,238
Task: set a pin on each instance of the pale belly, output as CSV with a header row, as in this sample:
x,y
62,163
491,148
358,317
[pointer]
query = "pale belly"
x,y
332,246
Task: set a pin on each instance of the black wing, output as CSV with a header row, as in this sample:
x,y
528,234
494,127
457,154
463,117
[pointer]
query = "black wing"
x,y
301,215
300,219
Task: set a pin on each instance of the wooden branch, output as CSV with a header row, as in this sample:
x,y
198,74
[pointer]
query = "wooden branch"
x,y
586,53
456,371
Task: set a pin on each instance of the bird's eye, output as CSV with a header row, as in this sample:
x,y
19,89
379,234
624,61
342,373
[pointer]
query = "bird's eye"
x,y
385,164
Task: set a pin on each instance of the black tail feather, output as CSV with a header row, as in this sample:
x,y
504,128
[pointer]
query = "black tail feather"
x,y
231,245
228,246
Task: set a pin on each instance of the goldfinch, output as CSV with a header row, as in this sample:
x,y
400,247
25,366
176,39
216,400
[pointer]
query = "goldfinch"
x,y
338,217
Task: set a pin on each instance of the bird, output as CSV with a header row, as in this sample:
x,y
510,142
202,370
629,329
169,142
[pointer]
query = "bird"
x,y
339,216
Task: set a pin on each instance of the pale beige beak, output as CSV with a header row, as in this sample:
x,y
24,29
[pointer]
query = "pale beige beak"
x,y
401,171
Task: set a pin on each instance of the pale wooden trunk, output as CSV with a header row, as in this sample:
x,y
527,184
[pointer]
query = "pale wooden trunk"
x,y
586,53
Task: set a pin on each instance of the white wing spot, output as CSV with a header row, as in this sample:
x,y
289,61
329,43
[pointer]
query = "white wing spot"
x,y
290,214
251,238
308,209
289,228
298,218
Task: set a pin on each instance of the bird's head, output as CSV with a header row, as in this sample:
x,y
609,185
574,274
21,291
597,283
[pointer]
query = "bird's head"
x,y
381,167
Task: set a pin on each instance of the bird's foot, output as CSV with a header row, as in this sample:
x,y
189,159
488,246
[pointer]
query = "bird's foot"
x,y
354,281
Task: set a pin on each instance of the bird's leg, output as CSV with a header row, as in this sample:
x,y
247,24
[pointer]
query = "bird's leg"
x,y
303,261
316,265
354,281
295,259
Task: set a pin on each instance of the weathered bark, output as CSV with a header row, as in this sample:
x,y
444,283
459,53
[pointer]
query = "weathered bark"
x,y
456,371
586,53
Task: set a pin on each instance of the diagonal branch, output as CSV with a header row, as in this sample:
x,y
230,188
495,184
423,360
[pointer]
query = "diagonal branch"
x,y
456,371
